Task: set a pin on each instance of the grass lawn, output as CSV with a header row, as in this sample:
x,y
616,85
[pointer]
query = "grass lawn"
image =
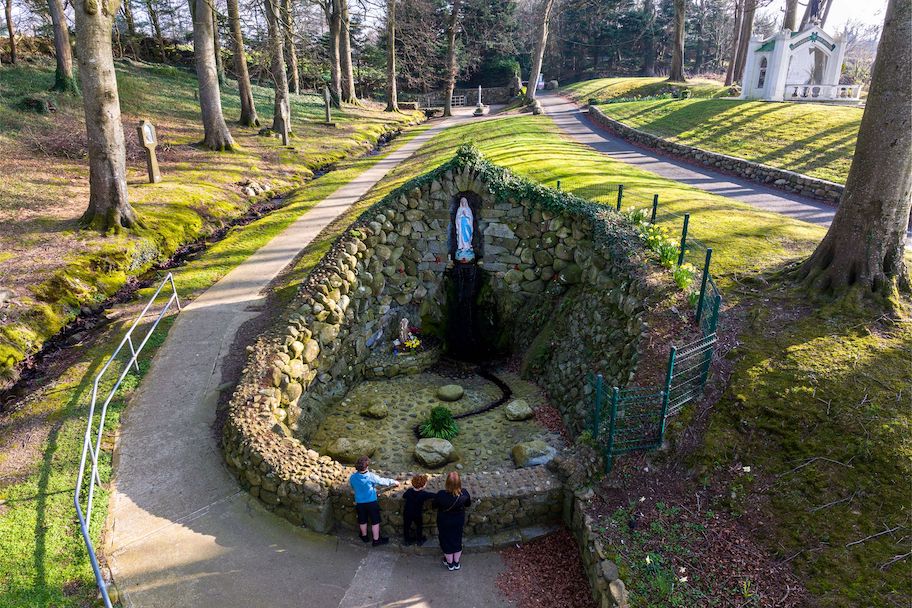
x,y
44,562
808,381
814,139
604,89
54,268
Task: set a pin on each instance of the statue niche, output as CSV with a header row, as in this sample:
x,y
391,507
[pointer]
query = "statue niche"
x,y
465,241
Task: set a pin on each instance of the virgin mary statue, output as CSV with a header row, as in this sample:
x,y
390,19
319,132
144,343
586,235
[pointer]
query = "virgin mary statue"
x,y
464,229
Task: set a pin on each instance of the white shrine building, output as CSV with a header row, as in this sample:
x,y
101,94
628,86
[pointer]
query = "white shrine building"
x,y
797,66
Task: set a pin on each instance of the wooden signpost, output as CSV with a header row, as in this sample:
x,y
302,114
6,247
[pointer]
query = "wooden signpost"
x,y
149,141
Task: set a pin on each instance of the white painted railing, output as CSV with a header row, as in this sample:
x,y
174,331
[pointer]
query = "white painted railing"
x,y
94,432
822,92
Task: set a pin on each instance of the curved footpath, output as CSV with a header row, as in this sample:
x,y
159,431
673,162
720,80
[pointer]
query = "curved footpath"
x,y
573,121
181,532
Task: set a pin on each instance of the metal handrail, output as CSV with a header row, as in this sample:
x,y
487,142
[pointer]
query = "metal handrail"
x,y
90,452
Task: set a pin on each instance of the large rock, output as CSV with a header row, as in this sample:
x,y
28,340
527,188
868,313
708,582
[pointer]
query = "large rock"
x,y
434,452
450,392
348,450
517,410
532,453
375,409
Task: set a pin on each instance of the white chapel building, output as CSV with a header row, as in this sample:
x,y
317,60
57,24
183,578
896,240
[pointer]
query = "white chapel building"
x,y
797,66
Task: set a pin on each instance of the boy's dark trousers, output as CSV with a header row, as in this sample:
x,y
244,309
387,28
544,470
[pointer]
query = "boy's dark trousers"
x,y
410,520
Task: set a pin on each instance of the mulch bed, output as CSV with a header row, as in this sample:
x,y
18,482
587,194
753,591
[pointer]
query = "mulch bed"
x,y
546,573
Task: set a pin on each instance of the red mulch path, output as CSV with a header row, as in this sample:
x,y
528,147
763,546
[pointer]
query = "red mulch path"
x,y
546,573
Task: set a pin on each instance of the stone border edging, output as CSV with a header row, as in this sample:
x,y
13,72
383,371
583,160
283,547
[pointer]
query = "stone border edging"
x,y
604,579
790,181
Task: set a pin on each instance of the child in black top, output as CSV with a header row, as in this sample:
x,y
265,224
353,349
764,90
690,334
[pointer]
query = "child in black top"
x,y
414,499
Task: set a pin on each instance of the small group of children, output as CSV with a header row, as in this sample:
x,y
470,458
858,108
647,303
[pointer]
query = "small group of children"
x,y
451,504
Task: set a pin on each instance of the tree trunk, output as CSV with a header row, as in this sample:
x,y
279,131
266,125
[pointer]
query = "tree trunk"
x,y
649,54
63,78
862,252
12,30
249,116
790,21
128,18
290,52
109,208
156,28
823,12
677,58
217,137
281,112
219,65
451,58
747,29
736,43
699,54
539,52
348,74
392,100
334,20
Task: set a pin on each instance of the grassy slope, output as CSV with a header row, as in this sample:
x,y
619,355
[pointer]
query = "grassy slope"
x,y
44,562
814,139
612,88
789,357
55,268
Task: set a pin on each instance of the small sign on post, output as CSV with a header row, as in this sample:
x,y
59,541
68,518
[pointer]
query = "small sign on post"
x,y
327,101
149,141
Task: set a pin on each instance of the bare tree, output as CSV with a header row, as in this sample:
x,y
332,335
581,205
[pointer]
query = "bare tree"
x,y
334,19
217,45
790,19
127,9
744,36
676,74
249,116
539,52
649,54
730,76
291,54
345,55
862,252
817,10
11,29
216,134
281,112
452,68
109,208
392,100
156,27
63,77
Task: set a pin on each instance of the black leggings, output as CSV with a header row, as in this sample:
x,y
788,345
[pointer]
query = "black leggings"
x,y
415,520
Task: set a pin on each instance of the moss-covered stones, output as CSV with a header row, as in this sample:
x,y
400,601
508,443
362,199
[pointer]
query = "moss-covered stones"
x,y
450,392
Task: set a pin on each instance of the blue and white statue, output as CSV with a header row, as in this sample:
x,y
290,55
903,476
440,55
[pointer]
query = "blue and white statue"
x,y
464,230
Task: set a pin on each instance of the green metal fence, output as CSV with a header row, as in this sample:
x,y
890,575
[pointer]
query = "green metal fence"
x,y
633,419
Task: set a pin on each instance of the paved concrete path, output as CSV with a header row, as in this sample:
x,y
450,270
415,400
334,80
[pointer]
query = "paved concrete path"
x,y
180,531
573,121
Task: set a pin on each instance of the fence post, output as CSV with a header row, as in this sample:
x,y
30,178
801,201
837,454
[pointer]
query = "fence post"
x,y
620,196
683,239
609,455
708,357
655,207
709,253
598,406
558,184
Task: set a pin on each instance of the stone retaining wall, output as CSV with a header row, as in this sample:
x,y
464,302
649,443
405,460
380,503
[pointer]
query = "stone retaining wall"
x,y
569,273
608,589
764,174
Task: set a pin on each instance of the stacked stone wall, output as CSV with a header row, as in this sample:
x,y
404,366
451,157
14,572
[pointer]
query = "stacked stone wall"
x,y
764,174
577,262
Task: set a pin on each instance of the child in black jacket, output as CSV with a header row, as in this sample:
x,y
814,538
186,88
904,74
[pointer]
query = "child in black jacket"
x,y
412,510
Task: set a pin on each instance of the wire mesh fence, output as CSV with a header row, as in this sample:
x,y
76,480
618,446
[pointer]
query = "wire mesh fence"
x,y
633,418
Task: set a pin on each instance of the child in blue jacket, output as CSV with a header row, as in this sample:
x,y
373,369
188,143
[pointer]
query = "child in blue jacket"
x,y
365,483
